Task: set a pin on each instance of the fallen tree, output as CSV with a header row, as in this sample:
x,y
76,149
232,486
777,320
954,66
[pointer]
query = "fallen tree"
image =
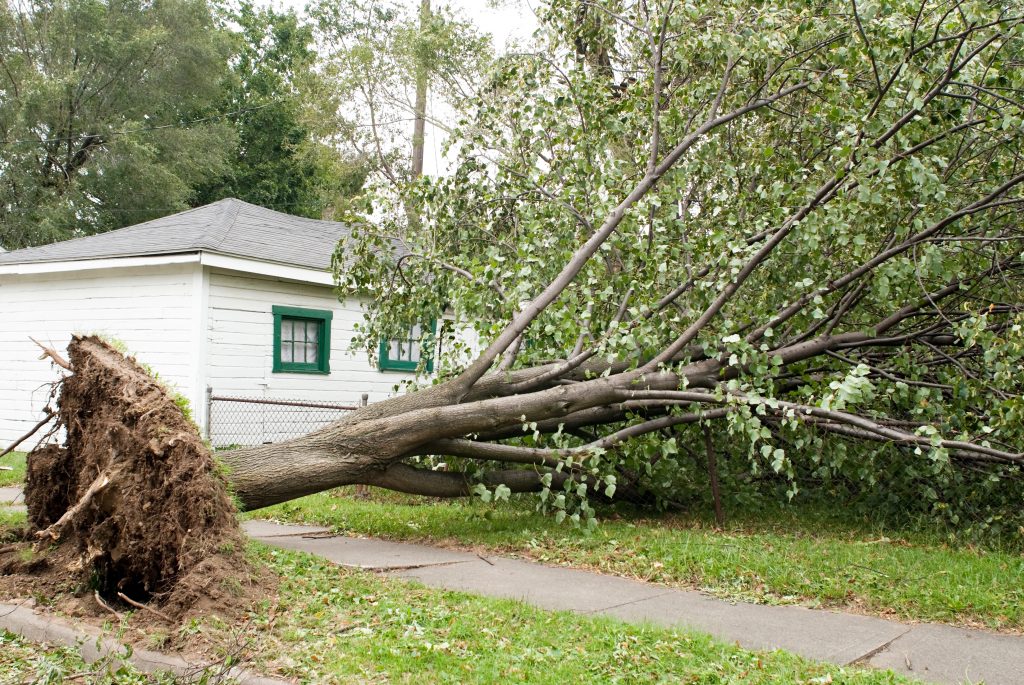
x,y
792,235
797,230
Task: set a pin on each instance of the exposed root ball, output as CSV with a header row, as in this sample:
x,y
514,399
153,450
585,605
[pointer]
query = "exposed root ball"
x,y
132,503
54,483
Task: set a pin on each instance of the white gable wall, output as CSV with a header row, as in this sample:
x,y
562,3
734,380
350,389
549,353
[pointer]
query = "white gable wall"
x,y
153,310
240,345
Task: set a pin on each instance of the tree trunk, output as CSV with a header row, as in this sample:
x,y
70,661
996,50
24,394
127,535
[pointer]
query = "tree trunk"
x,y
368,445
420,114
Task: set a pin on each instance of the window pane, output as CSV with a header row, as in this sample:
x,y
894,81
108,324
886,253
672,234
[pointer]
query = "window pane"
x,y
394,350
414,351
300,339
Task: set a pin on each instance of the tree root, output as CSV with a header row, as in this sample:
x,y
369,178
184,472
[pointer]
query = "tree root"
x,y
26,436
144,607
156,524
53,354
102,603
53,532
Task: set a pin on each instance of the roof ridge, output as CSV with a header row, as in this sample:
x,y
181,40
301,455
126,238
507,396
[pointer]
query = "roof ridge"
x,y
213,239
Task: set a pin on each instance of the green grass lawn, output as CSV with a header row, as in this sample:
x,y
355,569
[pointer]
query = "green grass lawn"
x,y
336,625
795,555
16,460
329,624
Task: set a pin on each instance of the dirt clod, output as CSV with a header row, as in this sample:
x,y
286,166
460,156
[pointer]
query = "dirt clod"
x,y
132,502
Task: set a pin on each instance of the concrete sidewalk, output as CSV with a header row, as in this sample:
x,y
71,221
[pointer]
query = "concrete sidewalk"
x,y
9,494
11,499
933,653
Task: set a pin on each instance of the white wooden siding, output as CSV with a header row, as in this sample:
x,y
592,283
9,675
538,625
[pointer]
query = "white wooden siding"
x,y
195,326
150,309
239,351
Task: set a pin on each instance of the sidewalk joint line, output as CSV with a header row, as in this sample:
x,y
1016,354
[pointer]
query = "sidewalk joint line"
x,y
313,535
411,567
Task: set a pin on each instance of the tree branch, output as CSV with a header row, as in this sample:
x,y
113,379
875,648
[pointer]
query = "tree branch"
x,y
521,321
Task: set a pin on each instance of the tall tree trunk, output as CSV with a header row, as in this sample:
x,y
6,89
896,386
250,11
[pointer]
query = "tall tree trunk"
x,y
420,114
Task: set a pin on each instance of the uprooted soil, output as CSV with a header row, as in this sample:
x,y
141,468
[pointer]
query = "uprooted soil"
x,y
132,503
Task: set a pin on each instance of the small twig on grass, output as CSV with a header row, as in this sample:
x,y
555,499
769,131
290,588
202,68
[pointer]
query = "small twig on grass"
x,y
140,605
227,669
102,603
26,436
6,468
868,568
52,354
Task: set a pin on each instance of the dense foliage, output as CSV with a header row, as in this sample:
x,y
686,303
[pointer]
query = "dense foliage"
x,y
113,112
101,113
818,202
285,158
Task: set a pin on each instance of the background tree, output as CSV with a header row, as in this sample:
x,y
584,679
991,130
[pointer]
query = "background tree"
x,y
100,113
380,62
286,157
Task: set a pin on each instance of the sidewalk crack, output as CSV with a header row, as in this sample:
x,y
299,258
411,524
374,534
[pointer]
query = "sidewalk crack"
x,y
409,567
863,658
624,604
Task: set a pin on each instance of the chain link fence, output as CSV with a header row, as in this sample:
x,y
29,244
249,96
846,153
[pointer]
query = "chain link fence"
x,y
245,421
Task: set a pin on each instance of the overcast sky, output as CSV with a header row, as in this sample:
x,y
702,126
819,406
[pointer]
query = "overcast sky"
x,y
507,21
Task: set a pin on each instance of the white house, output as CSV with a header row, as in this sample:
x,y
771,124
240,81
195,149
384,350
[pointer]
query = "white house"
x,y
230,296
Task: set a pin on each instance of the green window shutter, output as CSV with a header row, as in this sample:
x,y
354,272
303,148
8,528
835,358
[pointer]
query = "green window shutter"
x,y
404,354
302,340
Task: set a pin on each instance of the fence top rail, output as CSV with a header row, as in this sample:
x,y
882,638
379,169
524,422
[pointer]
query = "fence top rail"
x,y
285,403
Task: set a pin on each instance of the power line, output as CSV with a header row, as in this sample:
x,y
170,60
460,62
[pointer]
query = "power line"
x,y
183,124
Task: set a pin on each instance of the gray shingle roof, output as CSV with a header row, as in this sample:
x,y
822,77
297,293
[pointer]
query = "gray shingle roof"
x,y
229,227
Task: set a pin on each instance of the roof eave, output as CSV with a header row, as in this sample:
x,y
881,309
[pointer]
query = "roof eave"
x,y
290,272
208,258
91,264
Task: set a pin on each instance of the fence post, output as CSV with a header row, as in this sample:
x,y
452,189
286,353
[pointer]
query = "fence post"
x,y
209,411
364,400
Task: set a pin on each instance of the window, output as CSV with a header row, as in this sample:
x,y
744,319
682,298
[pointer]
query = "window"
x,y
302,340
404,354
